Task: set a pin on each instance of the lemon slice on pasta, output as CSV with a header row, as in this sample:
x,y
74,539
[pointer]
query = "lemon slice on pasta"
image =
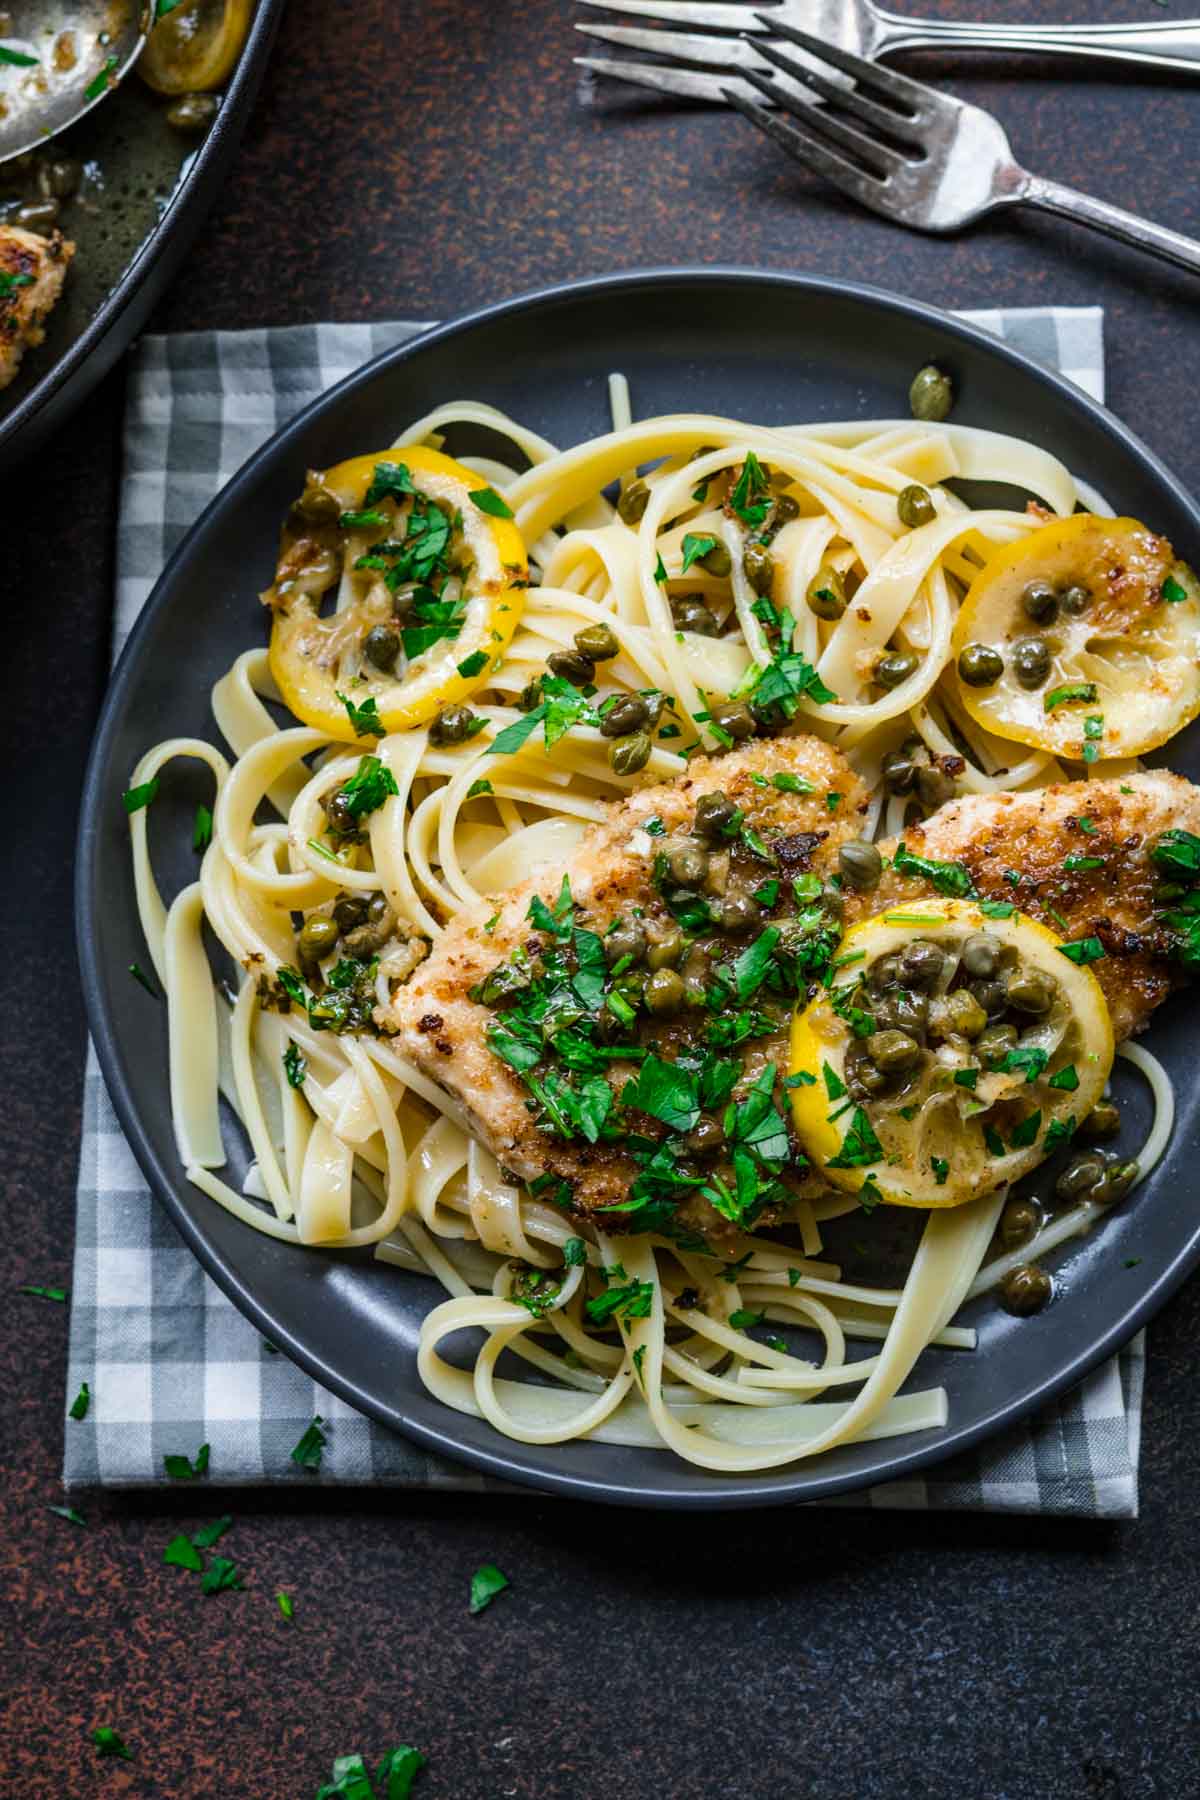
x,y
1119,619
194,47
979,1104
430,576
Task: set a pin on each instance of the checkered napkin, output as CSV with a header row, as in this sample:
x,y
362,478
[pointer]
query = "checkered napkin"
x,y
170,1362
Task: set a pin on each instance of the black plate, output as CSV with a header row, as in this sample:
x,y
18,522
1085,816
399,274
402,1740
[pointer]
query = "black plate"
x,y
155,188
771,348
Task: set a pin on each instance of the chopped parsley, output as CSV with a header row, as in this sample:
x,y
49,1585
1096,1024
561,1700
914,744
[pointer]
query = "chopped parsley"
x,y
489,501
390,481
1083,950
835,1087
371,784
1086,825
207,1535
70,1513
860,1146
787,679
181,1553
696,545
19,60
202,829
1028,1060
43,1293
941,1168
78,1408
181,1468
1173,591
966,1078
997,909
1058,1133
364,719
307,1452
561,707
295,1065
1071,693
103,80
110,1743
472,665
1065,1079
744,1317
478,788
1179,853
949,878
220,1577
135,798
9,283
1025,1133
832,801
486,1583
1073,865
660,572
574,1253
751,967
792,784
1093,731
632,1301
994,1141
286,1607
750,498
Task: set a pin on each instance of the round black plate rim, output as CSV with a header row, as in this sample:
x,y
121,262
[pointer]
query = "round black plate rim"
x,y
511,1461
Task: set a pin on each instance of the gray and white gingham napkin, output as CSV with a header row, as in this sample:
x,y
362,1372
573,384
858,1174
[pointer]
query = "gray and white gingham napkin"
x,y
170,1362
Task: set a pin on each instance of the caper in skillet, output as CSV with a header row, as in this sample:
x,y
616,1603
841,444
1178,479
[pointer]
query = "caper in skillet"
x,y
689,613
786,507
981,954
915,506
1039,601
192,112
666,951
633,501
1031,991
597,642
894,668
350,910
706,1134
663,993
1018,1222
921,964
931,395
959,1012
1026,1290
626,939
629,754
934,786
572,666
452,725
714,814
687,864
994,1043
1104,1121
1083,1173
36,215
1031,661
860,865
900,766
629,713
318,937
733,716
740,911
893,1051
826,593
717,560
1075,600
381,647
759,567
979,665
1119,1177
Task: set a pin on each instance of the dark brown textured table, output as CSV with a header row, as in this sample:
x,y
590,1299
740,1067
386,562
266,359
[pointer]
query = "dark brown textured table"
x,y
414,160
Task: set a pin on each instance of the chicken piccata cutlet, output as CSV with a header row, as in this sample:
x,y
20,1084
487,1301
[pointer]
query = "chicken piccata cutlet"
x,y
32,272
616,1031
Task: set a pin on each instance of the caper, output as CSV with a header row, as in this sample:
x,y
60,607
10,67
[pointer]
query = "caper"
x,y
381,922
667,951
1119,1177
759,567
979,665
740,912
1083,1173
192,112
1031,661
715,813
597,642
831,903
403,601
864,1079
994,1043
1018,1222
905,1011
893,1051
531,696
452,725
36,215
633,501
630,987
60,178
378,908
931,395
1104,1121
317,505
502,983
1039,601
318,937
571,666
934,786
629,713
894,668
915,506
695,990
339,810
960,1012
706,1134
381,647
734,717
981,954
687,864
1026,1290
1076,600
1030,991
350,910
717,560
689,613
663,992
860,865
629,754
992,995
826,593
884,973
900,766
786,507
921,964
625,939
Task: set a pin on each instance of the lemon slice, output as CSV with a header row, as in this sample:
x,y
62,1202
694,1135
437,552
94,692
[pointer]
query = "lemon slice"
x,y
958,1123
383,509
1124,671
194,47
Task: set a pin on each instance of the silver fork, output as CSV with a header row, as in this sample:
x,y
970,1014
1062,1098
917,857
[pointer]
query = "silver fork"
x,y
921,157
858,26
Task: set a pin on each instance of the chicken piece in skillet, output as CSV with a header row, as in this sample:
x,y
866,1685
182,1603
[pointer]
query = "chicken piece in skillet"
x,y
32,272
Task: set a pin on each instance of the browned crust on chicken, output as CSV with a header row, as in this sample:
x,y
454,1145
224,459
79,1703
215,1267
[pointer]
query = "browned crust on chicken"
x,y
32,272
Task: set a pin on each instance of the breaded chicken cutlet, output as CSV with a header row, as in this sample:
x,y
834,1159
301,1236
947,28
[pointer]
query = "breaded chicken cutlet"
x,y
32,272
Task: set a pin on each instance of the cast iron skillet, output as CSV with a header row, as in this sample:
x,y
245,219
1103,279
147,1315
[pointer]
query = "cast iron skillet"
x,y
132,240
769,348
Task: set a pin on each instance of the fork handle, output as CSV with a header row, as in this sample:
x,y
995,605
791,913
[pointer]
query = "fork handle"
x,y
1173,44
1085,209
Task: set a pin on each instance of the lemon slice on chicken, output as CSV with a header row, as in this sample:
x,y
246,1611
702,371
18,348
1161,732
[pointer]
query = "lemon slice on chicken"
x,y
429,574
964,1117
1120,618
194,47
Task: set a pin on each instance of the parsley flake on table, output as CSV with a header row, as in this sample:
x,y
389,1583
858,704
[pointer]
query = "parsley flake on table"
x,y
284,1602
208,1535
220,1577
181,1553
486,1583
180,1468
42,1293
70,1513
350,1781
110,1743
79,1406
307,1452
